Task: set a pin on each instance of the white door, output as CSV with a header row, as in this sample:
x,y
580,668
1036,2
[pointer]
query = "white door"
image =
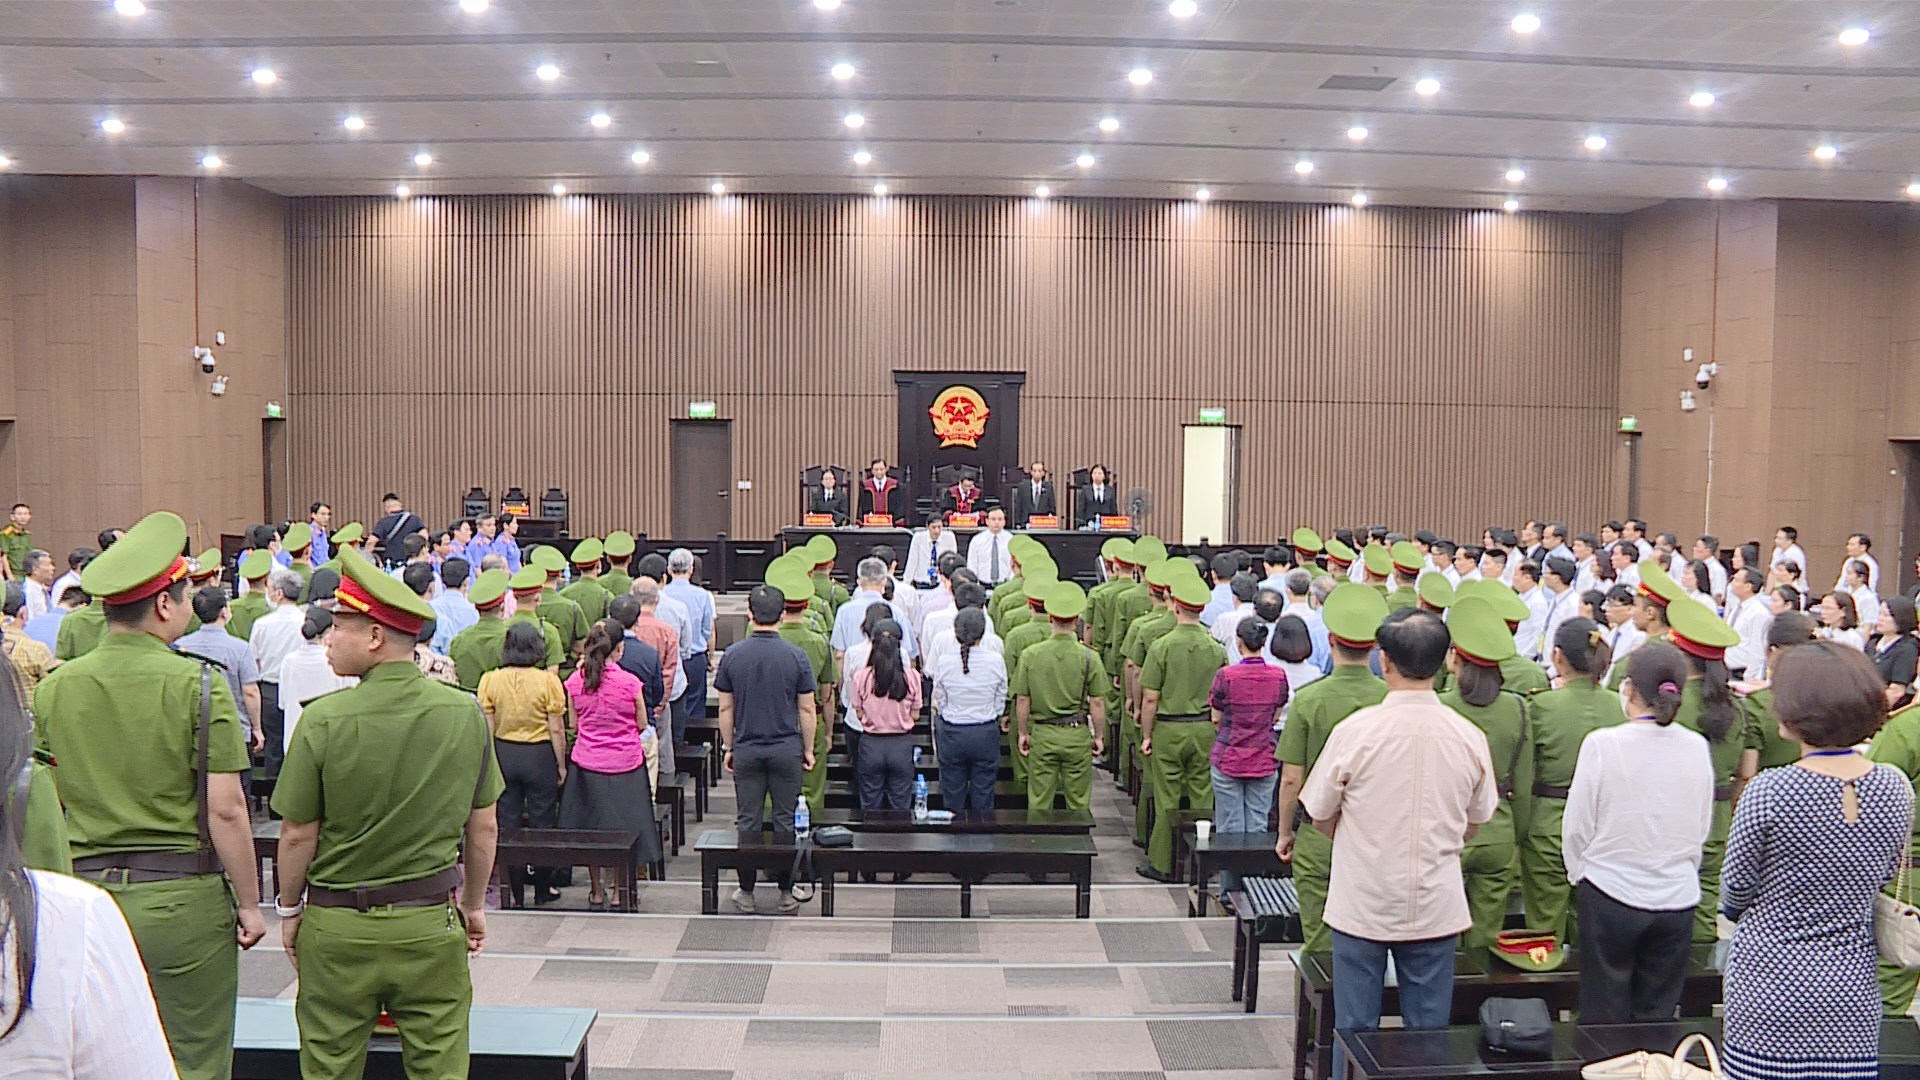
x,y
1210,482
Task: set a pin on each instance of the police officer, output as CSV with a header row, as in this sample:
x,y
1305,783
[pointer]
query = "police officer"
x,y
1010,595
82,630
1490,861
1107,631
1898,744
821,551
149,753
44,841
1339,560
476,650
1307,547
1060,707
352,536
1093,628
1654,594
1032,631
1141,633
298,544
1707,707
1517,673
619,551
1176,733
388,787
1377,565
254,568
1020,609
528,585
588,592
555,610
1407,561
1353,614
794,586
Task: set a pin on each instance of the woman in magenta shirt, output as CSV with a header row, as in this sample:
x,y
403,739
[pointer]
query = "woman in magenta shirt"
x,y
1246,700
607,787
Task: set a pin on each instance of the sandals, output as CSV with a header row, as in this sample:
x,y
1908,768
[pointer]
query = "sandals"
x,y
596,903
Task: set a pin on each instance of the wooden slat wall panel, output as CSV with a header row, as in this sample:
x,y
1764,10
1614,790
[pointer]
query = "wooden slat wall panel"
x,y
1387,364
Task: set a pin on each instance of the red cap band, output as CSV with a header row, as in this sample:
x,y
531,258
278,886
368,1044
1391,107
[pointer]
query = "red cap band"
x,y
1476,661
175,571
491,604
1642,589
351,594
1694,648
1355,645
1338,561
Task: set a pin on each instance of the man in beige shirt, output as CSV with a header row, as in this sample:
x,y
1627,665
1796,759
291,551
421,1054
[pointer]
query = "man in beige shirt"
x,y
1400,787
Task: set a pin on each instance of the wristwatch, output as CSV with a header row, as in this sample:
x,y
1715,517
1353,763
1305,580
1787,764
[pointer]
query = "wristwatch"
x,y
293,912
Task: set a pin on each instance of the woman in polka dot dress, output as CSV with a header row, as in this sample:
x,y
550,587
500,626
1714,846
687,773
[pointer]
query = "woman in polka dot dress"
x,y
1812,843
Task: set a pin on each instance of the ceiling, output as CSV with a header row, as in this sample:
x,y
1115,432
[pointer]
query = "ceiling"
x,y
980,96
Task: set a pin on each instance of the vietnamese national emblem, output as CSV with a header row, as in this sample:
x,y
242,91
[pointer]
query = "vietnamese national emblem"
x,y
959,416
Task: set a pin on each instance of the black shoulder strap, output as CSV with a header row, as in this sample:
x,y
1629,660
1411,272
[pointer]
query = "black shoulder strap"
x,y
208,860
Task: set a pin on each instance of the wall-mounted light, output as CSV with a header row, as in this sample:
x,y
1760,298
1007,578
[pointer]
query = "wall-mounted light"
x,y
219,387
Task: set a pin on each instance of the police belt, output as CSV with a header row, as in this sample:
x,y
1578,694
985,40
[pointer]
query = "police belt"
x,y
420,892
1060,721
1722,793
1182,718
140,867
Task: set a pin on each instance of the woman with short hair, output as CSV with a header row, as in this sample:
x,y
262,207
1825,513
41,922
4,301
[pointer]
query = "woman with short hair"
x,y
1246,701
1839,622
1811,845
1895,651
526,710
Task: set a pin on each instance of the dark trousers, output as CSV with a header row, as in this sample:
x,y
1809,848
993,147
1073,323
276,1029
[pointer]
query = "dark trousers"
x,y
760,773
885,771
1633,963
969,765
273,726
693,703
531,799
852,735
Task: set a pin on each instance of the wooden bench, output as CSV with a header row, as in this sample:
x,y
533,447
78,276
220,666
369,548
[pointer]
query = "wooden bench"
x,y
671,792
1458,1052
506,1044
967,856
1028,822
1265,911
1243,854
845,795
1477,976
702,762
597,848
705,733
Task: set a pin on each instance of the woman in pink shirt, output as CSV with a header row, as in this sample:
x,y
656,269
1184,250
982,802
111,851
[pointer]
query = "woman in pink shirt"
x,y
1247,699
885,696
607,787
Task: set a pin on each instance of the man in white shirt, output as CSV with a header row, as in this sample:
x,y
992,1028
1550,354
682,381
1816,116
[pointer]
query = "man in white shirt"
x,y
1635,533
1400,787
1786,548
924,551
1707,550
1626,564
1466,564
1275,561
1553,543
1859,546
77,560
1563,602
275,635
987,554
1227,623
1533,628
1586,555
39,582
1751,618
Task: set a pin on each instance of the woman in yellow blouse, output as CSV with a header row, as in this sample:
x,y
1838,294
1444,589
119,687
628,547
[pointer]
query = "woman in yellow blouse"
x,y
526,709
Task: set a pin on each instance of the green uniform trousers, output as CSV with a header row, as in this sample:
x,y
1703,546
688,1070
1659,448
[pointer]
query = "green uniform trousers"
x,y
1312,867
1491,872
813,784
412,962
1011,747
1182,770
1120,748
1713,854
1543,872
1143,809
186,933
1061,762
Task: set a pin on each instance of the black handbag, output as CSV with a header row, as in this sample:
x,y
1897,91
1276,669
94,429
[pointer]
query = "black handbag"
x,y
1517,1027
833,836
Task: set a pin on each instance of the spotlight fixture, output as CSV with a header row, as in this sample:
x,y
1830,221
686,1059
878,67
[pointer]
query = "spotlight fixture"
x,y
1701,99
854,121
641,157
1427,87
211,162
218,388
717,188
880,190
1359,198
558,189
265,76
1596,143
1525,23
1183,9
1085,161
1140,76
113,125
1511,205
1357,133
1826,152
600,120
1913,190
473,7
1717,184
1853,36
5,161
401,191
547,72
1042,192
354,122
1514,176
842,71
1201,195
827,5
1303,168
1109,124
861,157
132,9
423,159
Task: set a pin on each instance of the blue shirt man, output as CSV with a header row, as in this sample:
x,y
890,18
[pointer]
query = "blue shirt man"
x,y
500,543
322,549
1224,566
45,627
235,658
871,576
452,611
698,601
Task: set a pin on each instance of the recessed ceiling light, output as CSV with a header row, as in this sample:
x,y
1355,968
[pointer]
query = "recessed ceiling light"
x,y
265,76
211,162
558,189
1427,87
1140,76
1854,35
1183,9
547,72
862,157
826,5
1826,152
1201,194
641,157
423,159
1701,99
1304,168
842,71
5,161
600,120
1717,183
854,121
401,191
1525,23
1913,190
1514,176
354,123
1109,124
1596,142
717,188
1357,133
1041,192
130,8
1085,161
880,190
113,125
1510,205
1359,198
473,7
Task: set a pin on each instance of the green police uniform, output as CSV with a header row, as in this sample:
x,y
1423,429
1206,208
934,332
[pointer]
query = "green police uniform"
x,y
1100,600
1522,676
44,844
80,631
797,589
1033,629
1311,717
1490,861
1559,721
1696,629
1180,666
1141,634
15,542
590,597
1763,731
477,649
391,769
122,721
1130,600
1060,678
247,609
557,656
619,551
1898,745
820,553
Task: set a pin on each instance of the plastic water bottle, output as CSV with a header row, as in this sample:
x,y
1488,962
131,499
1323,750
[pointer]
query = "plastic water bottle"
x,y
802,819
919,797
916,758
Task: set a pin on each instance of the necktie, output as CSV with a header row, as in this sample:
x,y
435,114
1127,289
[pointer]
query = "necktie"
x,y
993,570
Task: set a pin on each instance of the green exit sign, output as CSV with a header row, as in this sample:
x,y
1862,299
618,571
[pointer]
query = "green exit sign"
x,y
1213,416
274,412
702,410
1629,423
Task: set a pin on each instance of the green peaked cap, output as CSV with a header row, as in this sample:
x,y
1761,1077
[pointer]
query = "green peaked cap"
x,y
1066,601
1375,558
1479,633
1353,614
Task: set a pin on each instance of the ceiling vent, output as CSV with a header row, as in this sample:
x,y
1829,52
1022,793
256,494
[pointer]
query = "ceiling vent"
x,y
117,75
1373,83
694,69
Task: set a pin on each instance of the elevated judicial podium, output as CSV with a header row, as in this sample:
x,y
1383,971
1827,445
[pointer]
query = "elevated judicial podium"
x,y
1076,552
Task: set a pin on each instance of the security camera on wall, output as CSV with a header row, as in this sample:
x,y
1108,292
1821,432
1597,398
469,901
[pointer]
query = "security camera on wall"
x,y
206,358
1703,378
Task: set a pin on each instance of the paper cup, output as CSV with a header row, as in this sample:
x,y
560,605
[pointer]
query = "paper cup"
x,y
1203,830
